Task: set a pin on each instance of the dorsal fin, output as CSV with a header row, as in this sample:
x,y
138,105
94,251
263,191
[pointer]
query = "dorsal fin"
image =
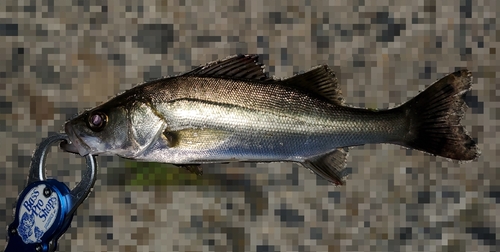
x,y
321,81
237,67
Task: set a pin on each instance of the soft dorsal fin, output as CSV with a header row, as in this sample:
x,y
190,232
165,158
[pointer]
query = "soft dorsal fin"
x,y
319,80
238,67
330,166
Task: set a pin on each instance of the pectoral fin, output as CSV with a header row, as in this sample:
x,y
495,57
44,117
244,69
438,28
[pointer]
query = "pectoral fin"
x,y
195,138
329,166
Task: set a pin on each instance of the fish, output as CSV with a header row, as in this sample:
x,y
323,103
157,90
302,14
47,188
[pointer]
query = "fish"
x,y
230,110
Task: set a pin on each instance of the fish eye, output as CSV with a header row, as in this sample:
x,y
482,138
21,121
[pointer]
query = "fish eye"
x,y
97,120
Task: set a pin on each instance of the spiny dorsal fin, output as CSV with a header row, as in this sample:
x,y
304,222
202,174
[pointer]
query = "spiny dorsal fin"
x,y
319,80
237,67
330,166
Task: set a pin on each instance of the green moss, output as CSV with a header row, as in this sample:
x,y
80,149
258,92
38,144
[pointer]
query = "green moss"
x,y
159,174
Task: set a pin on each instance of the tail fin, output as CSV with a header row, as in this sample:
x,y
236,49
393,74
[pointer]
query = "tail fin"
x,y
435,116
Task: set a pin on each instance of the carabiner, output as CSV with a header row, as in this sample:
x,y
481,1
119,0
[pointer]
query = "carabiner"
x,y
46,207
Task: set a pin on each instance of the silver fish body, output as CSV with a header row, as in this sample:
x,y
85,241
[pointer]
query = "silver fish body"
x,y
230,110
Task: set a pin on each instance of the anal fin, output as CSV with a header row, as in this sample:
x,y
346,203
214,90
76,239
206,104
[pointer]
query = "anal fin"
x,y
330,166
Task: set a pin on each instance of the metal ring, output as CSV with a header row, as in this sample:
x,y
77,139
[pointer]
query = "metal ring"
x,y
37,169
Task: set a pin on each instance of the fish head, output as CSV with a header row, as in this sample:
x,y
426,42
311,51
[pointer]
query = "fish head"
x,y
102,130
123,127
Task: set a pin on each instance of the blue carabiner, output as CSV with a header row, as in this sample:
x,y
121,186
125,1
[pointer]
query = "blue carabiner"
x,y
46,207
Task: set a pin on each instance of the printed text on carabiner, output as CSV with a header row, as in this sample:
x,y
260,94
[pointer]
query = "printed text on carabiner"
x,y
37,214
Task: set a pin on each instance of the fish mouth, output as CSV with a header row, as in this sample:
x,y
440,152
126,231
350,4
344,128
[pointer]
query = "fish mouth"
x,y
75,144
